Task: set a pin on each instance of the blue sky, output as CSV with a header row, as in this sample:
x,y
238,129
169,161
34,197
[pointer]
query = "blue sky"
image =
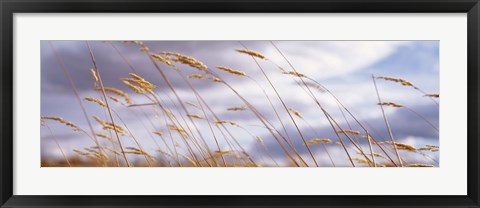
x,y
344,67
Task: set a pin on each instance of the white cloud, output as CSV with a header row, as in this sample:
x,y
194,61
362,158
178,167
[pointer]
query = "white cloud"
x,y
326,59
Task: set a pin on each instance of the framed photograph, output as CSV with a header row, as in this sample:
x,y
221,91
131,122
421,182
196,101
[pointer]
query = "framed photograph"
x,y
239,104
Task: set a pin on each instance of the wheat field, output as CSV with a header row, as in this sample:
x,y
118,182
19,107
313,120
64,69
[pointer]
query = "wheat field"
x,y
135,104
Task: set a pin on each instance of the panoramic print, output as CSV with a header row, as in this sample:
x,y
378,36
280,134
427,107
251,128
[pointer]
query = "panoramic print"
x,y
240,103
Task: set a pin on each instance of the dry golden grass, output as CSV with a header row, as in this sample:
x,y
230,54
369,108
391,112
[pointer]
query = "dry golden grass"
x,y
403,82
251,53
187,60
390,104
348,131
188,134
434,95
402,146
94,75
295,112
96,100
199,76
318,141
63,121
231,71
119,93
297,74
241,108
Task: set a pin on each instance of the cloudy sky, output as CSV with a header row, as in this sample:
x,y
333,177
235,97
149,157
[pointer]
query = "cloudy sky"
x,y
345,68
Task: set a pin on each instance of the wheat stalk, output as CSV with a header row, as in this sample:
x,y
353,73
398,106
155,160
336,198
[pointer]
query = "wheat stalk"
x,y
195,116
63,121
390,104
251,53
402,146
241,108
318,141
297,74
348,131
95,100
434,95
117,92
94,75
403,82
231,71
187,60
295,112
199,76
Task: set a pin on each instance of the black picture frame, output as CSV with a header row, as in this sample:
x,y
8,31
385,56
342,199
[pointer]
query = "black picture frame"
x,y
10,7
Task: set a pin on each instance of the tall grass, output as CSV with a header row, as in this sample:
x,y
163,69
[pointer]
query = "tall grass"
x,y
193,132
